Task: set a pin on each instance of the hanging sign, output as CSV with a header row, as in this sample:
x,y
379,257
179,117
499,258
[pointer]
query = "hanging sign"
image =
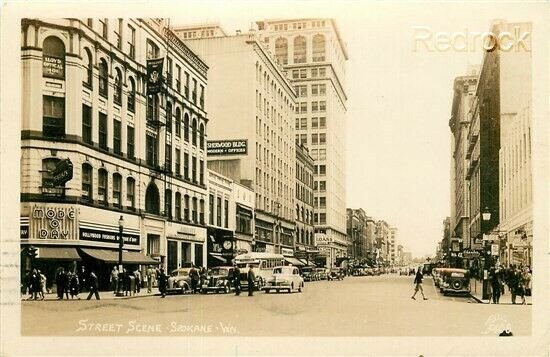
x,y
154,75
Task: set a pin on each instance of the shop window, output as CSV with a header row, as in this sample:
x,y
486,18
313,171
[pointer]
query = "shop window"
x,y
198,255
102,186
87,176
117,190
152,199
130,193
53,120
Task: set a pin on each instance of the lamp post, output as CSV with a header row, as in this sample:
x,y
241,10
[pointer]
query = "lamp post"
x,y
486,216
120,268
253,244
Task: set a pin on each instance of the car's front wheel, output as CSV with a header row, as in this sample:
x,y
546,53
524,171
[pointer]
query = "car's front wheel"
x,y
226,289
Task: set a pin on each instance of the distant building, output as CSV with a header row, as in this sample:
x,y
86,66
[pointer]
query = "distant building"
x,y
304,200
202,31
383,242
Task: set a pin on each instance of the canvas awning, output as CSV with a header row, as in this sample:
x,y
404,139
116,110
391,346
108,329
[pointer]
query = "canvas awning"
x,y
111,256
58,253
294,261
218,257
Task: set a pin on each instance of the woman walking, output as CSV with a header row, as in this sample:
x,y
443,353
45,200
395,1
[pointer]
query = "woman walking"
x,y
73,286
418,284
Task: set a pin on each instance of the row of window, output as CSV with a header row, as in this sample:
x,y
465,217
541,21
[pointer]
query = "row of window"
x,y
316,72
316,139
316,90
193,208
218,209
316,106
298,25
320,186
304,215
300,55
304,194
103,187
316,123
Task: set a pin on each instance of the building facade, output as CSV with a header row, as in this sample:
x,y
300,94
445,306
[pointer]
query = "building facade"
x,y
304,238
221,222
95,147
314,56
251,135
382,242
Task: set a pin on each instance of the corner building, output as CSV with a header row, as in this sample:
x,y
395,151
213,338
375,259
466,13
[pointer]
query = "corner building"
x,y
253,105
136,156
314,56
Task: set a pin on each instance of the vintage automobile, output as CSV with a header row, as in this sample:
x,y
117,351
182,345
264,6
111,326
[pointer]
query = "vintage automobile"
x,y
321,273
436,275
454,281
284,278
179,281
335,274
308,273
218,279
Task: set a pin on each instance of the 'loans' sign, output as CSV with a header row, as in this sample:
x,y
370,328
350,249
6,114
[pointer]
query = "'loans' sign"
x,y
227,147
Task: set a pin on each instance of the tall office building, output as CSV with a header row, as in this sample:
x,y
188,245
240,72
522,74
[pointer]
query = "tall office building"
x,y
314,56
251,133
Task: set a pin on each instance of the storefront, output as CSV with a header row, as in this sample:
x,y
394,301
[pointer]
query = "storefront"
x,y
222,247
185,245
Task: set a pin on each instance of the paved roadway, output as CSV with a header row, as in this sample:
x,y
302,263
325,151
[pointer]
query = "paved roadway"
x,y
356,306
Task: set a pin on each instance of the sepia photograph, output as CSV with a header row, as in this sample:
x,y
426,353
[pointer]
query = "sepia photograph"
x,y
275,178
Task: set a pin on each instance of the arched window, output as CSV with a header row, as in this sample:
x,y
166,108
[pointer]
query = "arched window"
x,y
186,127
131,193
300,51
87,179
88,68
281,50
53,58
103,78
318,52
102,183
178,122
152,199
169,117
168,203
132,95
194,132
201,136
118,87
117,190
178,206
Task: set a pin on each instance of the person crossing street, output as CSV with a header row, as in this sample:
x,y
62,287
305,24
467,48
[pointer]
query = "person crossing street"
x,y
418,284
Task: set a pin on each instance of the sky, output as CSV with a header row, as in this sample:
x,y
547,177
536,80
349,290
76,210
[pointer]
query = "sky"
x,y
399,98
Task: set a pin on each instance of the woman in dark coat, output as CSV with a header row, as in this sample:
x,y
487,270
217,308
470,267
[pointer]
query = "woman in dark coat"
x,y
74,286
163,280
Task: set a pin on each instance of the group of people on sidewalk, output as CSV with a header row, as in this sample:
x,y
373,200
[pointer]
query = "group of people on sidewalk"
x,y
518,279
66,283
130,282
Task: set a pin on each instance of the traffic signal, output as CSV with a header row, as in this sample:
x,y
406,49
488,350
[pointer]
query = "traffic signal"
x,y
32,251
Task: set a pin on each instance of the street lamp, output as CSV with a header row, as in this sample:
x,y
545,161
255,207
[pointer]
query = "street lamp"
x,y
486,216
253,244
120,245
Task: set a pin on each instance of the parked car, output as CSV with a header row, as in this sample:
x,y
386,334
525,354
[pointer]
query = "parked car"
x,y
335,274
309,274
219,279
321,273
179,281
454,281
284,278
403,272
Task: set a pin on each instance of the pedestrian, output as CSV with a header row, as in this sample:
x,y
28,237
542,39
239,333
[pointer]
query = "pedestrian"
x,y
113,279
250,277
151,276
27,284
194,275
237,280
203,275
127,282
43,285
521,286
418,284
82,279
513,283
74,286
163,280
495,285
93,286
137,277
35,284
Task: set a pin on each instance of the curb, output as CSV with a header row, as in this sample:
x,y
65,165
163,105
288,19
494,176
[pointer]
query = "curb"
x,y
93,298
480,301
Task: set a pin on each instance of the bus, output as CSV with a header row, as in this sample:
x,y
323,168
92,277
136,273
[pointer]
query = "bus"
x,y
262,265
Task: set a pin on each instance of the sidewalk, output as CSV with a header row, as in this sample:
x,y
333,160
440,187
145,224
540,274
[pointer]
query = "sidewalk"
x,y
476,291
103,295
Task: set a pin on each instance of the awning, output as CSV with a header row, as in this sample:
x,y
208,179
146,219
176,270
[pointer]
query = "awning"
x,y
111,256
219,257
58,253
308,263
294,261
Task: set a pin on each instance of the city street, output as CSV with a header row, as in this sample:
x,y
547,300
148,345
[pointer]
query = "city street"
x,y
356,306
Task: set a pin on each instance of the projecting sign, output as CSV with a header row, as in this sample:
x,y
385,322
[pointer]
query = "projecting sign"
x,y
63,172
227,147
